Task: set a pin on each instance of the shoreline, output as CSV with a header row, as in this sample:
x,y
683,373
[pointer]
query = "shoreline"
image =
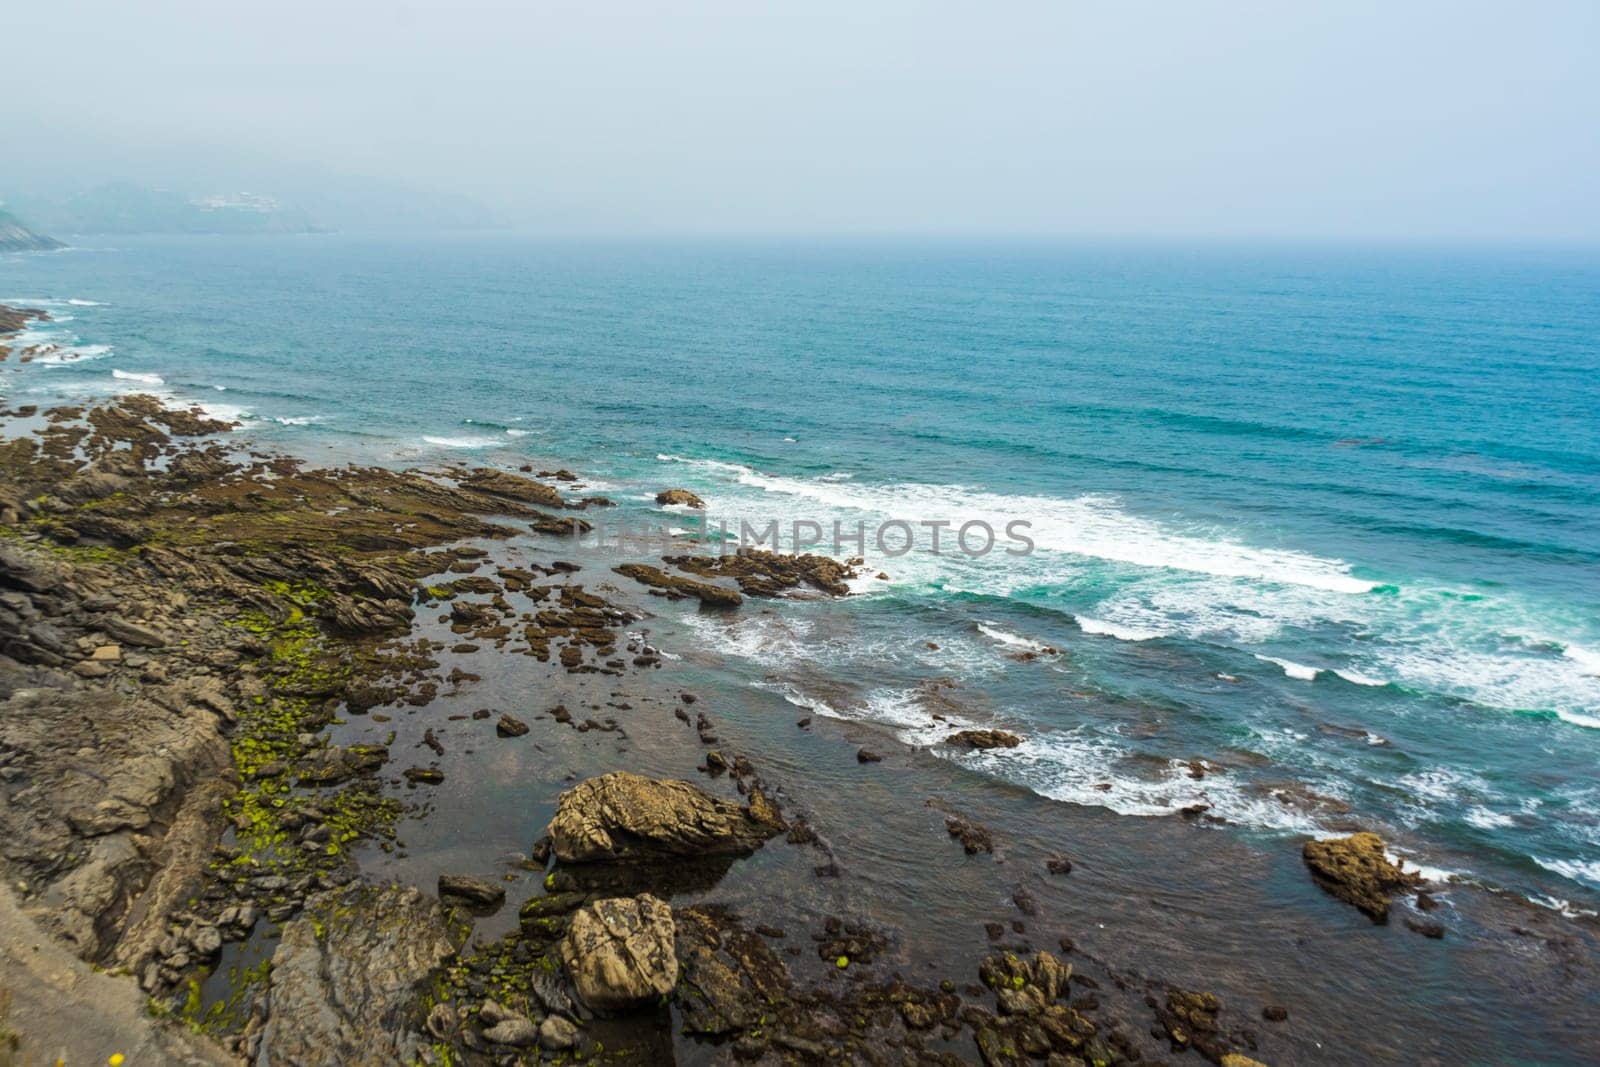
x,y
276,623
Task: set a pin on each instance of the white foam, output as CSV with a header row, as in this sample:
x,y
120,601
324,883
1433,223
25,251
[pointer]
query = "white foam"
x,y
1005,637
297,420
1587,661
1297,671
1077,768
1093,525
1357,678
1102,628
1565,907
147,379
1577,870
75,302
1485,819
518,433
461,442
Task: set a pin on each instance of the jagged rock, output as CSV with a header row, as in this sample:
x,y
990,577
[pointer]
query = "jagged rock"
x,y
345,978
509,726
620,952
1355,870
762,573
679,496
984,740
676,587
974,838
628,817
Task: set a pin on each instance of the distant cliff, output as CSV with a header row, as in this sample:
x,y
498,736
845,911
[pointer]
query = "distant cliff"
x,y
15,237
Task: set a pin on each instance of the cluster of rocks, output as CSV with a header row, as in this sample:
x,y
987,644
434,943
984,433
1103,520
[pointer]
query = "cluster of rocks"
x,y
768,574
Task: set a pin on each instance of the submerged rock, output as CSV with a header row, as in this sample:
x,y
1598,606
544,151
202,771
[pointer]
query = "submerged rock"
x,y
628,817
1355,870
620,952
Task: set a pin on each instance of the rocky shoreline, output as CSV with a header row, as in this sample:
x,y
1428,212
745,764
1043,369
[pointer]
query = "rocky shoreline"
x,y
187,631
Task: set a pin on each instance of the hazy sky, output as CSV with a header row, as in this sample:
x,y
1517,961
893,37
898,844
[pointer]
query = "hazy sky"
x,y
1437,119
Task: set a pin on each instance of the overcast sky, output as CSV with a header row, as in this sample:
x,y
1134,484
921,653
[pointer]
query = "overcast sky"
x,y
1394,119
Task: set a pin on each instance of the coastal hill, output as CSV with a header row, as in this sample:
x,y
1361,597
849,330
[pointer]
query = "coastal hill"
x,y
295,205
127,208
15,237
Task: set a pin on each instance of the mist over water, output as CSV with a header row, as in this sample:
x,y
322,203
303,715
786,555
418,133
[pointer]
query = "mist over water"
x,y
1323,523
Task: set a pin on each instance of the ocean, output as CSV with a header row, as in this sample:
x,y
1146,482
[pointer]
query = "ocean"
x,y
1316,528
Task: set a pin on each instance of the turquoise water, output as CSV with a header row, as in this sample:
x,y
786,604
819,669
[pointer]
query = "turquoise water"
x,y
1327,519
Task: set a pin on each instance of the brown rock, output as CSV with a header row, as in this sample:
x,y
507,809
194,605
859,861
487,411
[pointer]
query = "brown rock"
x,y
679,496
622,817
1355,870
620,952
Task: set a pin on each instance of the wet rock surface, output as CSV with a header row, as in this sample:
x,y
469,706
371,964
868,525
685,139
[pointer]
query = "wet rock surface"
x,y
767,574
1355,870
623,817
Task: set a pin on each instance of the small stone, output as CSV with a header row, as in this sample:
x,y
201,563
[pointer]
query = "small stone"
x,y
472,890
867,756
508,726
515,1031
557,1033
1274,1013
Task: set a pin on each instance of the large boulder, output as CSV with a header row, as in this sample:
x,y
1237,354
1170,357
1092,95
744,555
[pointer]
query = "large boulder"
x,y
620,952
1355,870
622,817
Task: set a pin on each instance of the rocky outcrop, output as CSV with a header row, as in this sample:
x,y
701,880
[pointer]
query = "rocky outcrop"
x,y
622,817
761,573
1355,870
676,587
681,497
509,486
620,953
346,975
983,740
